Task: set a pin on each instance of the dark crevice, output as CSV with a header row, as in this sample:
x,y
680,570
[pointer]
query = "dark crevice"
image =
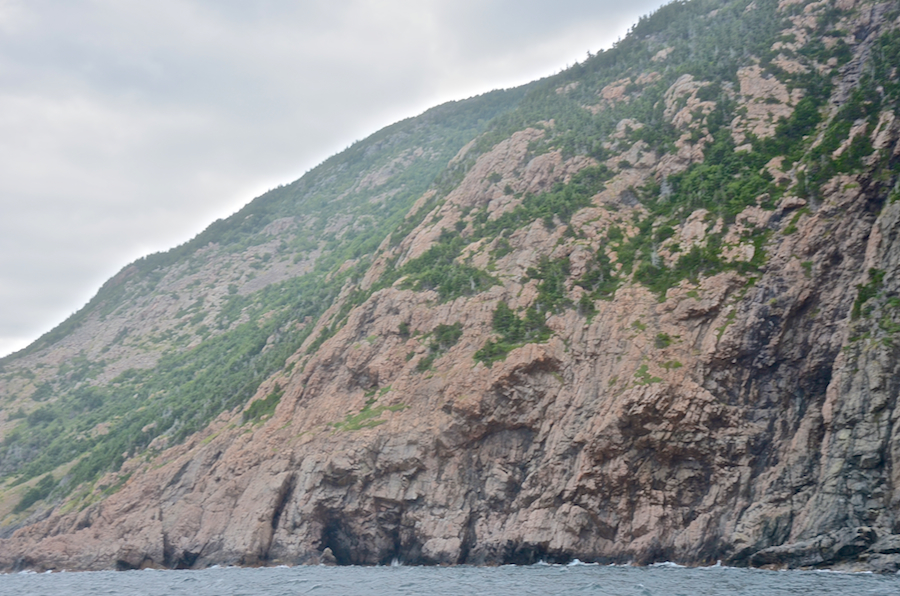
x,y
468,540
178,475
284,497
122,565
167,551
339,538
516,553
186,560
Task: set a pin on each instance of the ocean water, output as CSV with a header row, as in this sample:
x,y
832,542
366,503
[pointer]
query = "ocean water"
x,y
545,580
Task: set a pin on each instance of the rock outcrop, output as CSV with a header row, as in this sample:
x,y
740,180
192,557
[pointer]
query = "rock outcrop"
x,y
744,411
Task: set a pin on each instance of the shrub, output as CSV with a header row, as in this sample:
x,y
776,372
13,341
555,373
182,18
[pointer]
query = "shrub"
x,y
865,292
263,407
36,493
663,340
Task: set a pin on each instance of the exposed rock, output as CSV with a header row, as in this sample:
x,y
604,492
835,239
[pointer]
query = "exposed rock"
x,y
662,54
743,411
328,557
826,548
767,99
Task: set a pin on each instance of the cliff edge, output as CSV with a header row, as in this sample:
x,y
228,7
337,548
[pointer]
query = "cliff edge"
x,y
644,310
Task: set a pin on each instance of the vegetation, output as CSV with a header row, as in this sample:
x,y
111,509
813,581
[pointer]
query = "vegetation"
x,y
553,208
341,214
439,269
600,280
264,407
867,291
663,340
643,376
513,332
444,337
36,493
189,387
368,417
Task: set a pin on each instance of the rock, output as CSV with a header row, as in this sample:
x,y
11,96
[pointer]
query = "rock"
x,y
328,557
883,563
821,550
887,545
767,100
745,413
791,202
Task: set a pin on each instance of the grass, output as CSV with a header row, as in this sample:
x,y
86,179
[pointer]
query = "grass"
x,y
368,417
644,377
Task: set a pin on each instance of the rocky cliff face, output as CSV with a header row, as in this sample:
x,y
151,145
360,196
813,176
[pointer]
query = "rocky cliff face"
x,y
670,338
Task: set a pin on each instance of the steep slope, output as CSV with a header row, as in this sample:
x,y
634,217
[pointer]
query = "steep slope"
x,y
188,334
642,310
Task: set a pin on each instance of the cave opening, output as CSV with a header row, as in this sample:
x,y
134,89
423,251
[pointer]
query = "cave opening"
x,y
340,540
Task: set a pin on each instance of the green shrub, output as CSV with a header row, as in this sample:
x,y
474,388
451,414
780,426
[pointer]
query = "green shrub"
x,y
644,377
368,417
263,407
426,362
438,269
36,493
865,292
443,338
513,332
586,307
493,351
552,275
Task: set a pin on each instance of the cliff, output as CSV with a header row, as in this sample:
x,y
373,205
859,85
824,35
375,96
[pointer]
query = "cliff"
x,y
646,309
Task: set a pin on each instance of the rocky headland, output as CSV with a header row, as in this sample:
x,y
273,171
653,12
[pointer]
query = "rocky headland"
x,y
644,310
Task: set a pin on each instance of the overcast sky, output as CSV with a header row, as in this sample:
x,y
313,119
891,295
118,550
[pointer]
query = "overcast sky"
x,y
128,126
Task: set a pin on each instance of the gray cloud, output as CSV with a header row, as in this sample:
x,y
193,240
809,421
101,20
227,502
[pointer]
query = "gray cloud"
x,y
126,127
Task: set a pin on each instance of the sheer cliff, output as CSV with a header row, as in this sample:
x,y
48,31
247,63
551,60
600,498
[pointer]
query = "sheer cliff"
x,y
645,309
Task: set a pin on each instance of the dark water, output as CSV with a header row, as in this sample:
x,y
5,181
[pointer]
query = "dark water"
x,y
437,581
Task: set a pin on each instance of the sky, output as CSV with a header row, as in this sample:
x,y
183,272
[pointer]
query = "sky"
x,y
127,126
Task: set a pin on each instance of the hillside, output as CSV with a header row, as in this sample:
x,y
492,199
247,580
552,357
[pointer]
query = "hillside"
x,y
645,309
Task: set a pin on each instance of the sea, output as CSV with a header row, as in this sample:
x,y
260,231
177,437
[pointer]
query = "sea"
x,y
577,579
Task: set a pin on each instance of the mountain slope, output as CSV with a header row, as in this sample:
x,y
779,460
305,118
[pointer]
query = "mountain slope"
x,y
641,310
192,332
